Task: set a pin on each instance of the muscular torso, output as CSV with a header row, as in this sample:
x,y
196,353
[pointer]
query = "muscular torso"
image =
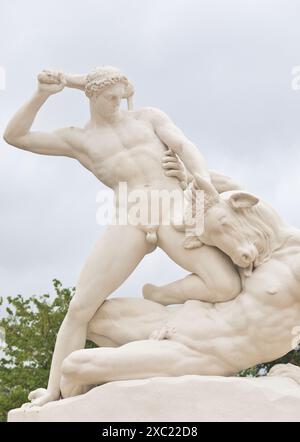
x,y
256,327
128,151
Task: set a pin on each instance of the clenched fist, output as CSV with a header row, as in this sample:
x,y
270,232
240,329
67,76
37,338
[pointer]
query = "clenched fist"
x,y
51,82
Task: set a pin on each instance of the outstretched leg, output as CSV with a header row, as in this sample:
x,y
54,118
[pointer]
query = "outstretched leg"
x,y
213,276
115,256
136,360
117,322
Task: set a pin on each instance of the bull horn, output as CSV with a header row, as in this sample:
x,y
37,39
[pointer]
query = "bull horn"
x,y
211,196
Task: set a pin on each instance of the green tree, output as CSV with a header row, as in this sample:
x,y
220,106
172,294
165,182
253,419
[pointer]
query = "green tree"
x,y
31,326
262,369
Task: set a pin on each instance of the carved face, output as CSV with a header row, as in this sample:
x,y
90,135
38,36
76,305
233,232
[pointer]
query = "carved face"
x,y
223,229
225,226
108,101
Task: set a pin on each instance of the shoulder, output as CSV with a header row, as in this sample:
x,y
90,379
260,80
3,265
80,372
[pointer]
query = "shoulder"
x,y
70,131
72,137
152,114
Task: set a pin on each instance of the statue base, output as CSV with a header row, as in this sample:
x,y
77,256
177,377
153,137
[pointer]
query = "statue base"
x,y
180,399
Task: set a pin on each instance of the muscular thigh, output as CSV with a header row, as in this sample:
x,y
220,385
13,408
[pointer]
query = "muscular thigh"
x,y
113,259
122,320
212,265
136,360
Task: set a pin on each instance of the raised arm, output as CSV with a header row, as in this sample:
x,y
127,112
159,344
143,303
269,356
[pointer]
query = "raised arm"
x,y
176,141
18,132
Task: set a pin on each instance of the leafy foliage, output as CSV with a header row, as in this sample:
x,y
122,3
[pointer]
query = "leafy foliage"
x,y
262,369
31,326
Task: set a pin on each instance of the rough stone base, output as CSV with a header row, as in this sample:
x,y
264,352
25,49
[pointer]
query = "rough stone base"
x,y
181,399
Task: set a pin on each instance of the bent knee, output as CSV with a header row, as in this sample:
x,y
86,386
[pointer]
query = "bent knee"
x,y
227,287
80,312
74,364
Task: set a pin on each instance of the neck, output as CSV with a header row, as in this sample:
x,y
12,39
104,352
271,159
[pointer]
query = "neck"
x,y
100,120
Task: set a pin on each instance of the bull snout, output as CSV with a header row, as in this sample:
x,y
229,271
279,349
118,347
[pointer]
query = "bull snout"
x,y
246,256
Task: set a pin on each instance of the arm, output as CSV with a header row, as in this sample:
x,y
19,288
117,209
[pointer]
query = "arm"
x,y
176,141
175,168
75,81
18,132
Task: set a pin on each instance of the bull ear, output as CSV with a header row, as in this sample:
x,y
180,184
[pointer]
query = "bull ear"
x,y
243,200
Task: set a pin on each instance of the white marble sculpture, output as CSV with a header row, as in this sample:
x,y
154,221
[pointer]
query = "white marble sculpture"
x,y
199,337
239,304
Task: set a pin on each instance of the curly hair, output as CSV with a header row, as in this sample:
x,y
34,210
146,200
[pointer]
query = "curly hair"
x,y
103,77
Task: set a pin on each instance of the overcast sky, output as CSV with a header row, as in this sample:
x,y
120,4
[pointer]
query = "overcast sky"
x,y
220,68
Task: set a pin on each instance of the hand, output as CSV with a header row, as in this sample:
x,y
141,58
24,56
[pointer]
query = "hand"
x,y
174,168
41,396
286,371
51,82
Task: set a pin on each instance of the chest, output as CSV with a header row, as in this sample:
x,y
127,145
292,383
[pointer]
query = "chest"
x,y
130,134
277,281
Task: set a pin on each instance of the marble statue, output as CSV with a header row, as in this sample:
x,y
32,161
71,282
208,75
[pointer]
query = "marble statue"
x,y
200,337
240,301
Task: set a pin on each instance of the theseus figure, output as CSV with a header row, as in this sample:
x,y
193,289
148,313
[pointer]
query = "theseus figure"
x,y
117,146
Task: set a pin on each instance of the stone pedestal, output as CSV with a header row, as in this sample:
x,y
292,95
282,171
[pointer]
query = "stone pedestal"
x,y
181,399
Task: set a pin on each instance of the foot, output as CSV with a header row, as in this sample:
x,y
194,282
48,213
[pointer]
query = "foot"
x,y
163,295
151,292
287,371
40,397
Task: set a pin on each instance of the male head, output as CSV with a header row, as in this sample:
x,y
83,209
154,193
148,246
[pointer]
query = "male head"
x,y
106,86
